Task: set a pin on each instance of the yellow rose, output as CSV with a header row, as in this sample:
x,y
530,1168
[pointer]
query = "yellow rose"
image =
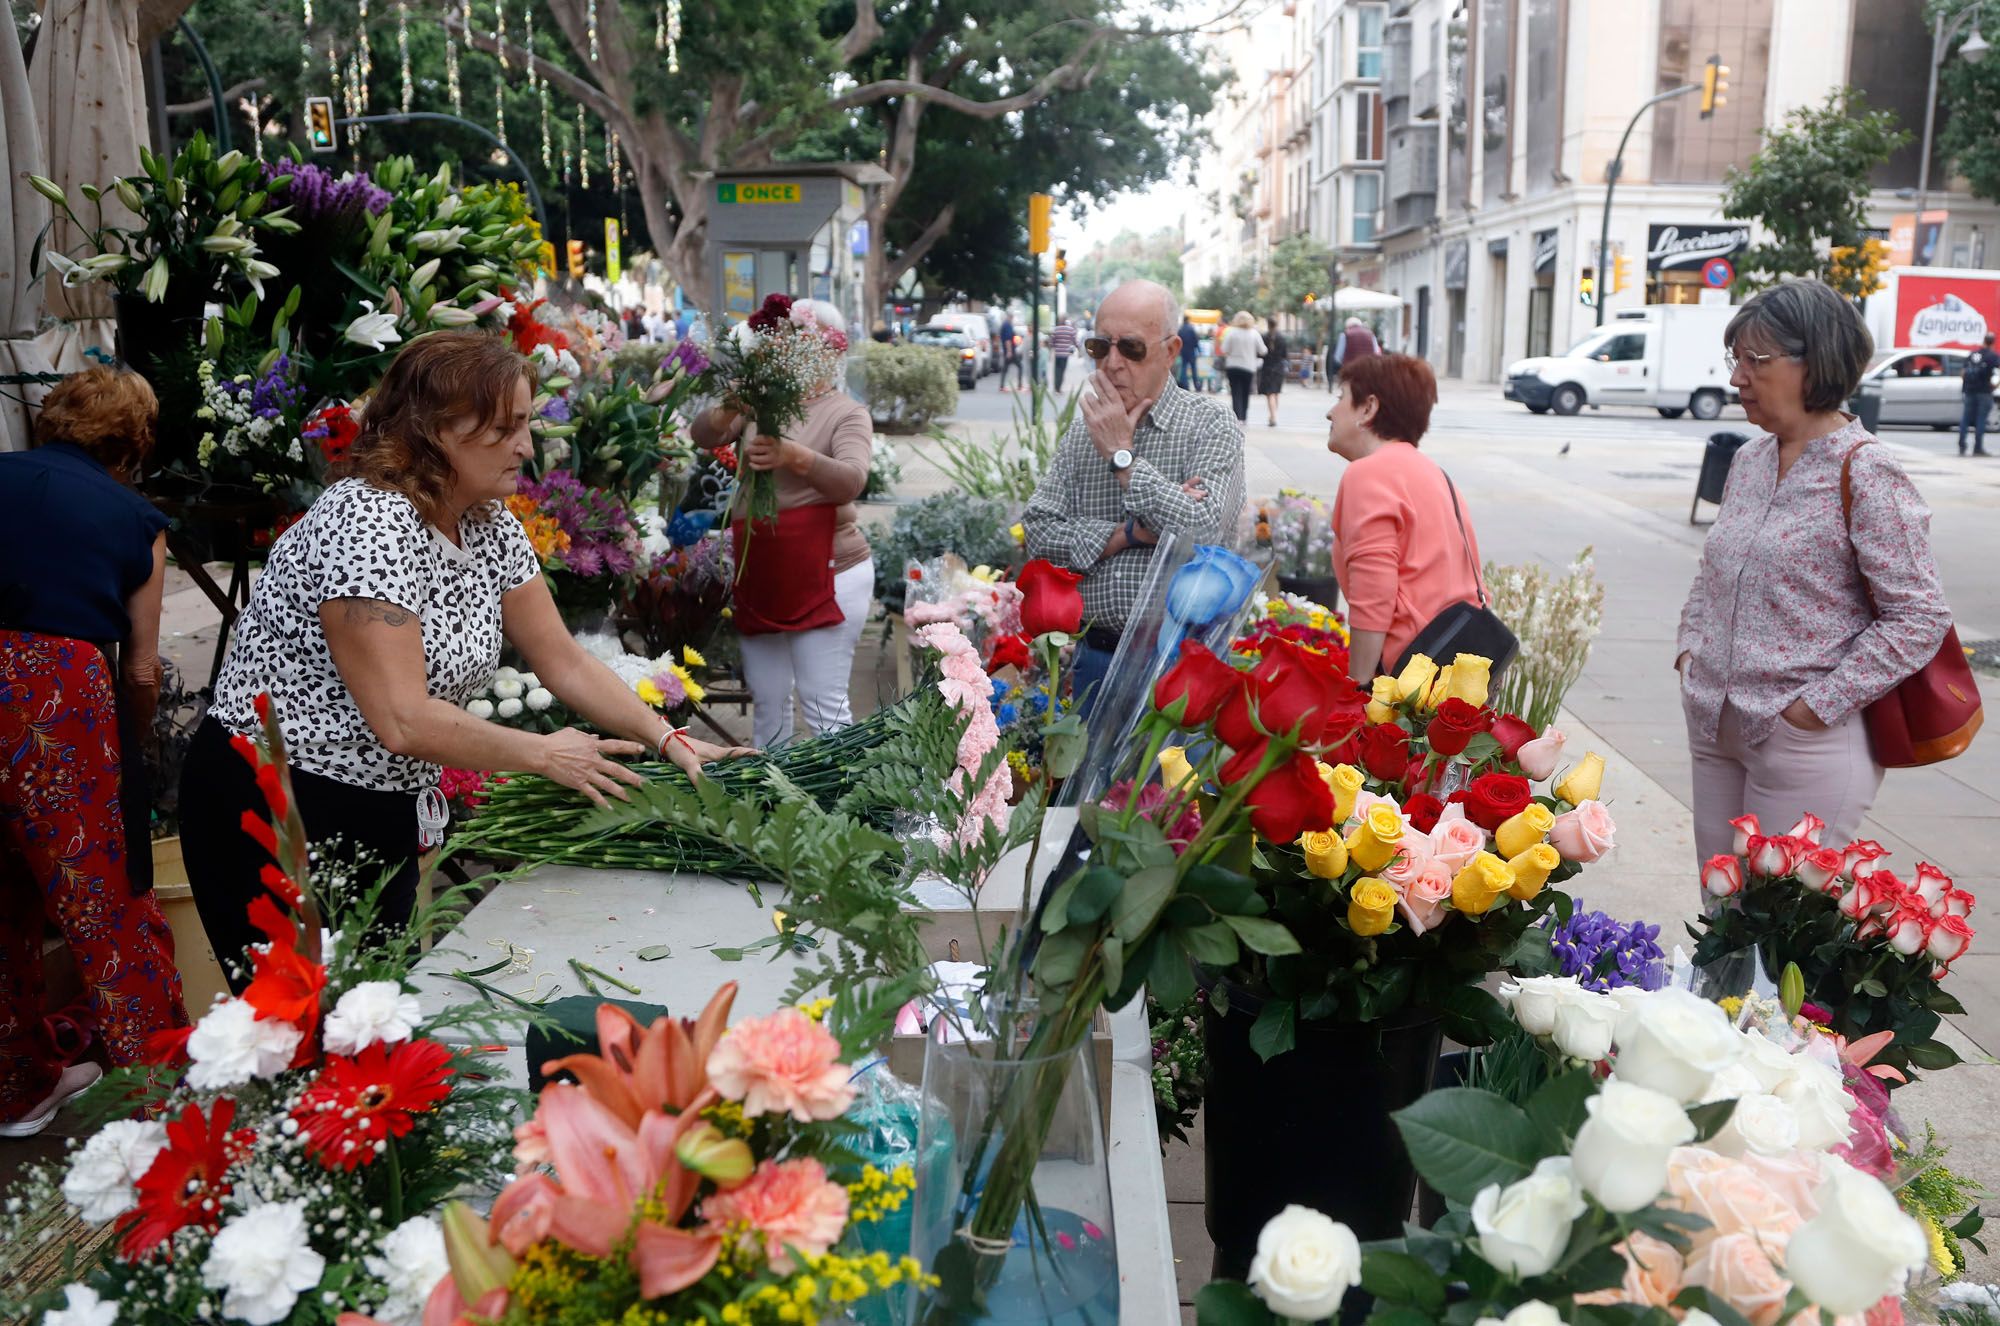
x,y
1414,681
1346,781
1584,781
1477,887
1471,675
1373,843
1520,832
1440,686
1176,772
1383,695
1371,906
1018,532
1326,855
1531,870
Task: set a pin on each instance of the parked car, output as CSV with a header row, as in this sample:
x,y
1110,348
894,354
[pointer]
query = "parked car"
x,y
1917,386
981,335
951,338
1667,356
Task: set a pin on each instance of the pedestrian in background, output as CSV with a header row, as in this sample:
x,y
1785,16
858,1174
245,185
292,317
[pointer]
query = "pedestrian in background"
x,y
1187,368
1779,648
1062,344
1010,355
1978,391
1271,373
1354,344
1403,542
82,569
880,334
1242,354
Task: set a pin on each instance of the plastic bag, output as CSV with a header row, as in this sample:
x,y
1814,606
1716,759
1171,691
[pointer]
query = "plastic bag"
x,y
890,1113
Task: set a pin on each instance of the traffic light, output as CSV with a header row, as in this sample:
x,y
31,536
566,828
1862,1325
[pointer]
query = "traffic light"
x,y
1621,273
1714,82
1039,207
576,259
1586,289
319,123
1062,267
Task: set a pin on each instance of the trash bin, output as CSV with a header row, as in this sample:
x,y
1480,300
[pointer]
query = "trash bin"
x,y
1867,407
1716,458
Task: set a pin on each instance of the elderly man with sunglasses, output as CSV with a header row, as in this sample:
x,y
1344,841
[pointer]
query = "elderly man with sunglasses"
x,y
1146,458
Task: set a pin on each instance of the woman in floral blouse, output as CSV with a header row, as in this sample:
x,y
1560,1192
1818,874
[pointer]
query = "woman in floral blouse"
x,y
1779,651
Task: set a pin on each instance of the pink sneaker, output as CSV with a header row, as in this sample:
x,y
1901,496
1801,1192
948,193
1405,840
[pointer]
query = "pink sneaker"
x,y
74,1079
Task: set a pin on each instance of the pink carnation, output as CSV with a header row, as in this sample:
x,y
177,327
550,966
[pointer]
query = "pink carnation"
x,y
784,1063
790,1204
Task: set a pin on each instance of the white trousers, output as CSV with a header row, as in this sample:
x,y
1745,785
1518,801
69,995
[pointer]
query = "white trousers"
x,y
816,664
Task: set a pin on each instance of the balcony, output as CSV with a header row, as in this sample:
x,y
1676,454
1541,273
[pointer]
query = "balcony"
x,y
1412,165
1424,95
1396,62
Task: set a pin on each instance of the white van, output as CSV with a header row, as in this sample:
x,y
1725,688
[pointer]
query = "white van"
x,y
975,326
1666,356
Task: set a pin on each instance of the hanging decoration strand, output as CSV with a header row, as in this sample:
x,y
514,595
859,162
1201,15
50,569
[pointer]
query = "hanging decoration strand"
x,y
364,62
673,36
582,150
403,52
306,41
500,84
548,148
659,27
590,25
451,72
500,31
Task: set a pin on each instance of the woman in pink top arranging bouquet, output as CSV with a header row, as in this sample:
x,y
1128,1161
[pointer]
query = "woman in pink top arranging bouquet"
x,y
1398,549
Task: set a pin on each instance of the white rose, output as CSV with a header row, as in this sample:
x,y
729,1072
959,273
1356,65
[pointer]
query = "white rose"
x,y
372,1012
411,1264
1533,999
231,1045
509,708
479,708
1621,1151
81,1307
1674,1042
1585,1024
1819,1103
1524,1227
1305,1264
508,688
1859,1249
1771,1063
539,699
1533,1313
262,1262
1761,1125
100,1179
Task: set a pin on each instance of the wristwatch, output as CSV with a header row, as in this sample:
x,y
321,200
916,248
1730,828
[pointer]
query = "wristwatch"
x,y
1121,459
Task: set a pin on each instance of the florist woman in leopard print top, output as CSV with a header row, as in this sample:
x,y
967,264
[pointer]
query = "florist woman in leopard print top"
x,y
378,615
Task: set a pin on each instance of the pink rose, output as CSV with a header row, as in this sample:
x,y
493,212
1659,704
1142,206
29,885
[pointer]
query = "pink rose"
x,y
1950,937
1422,900
1416,853
790,1204
1821,870
1736,1268
1809,827
1735,1199
1859,900
1959,902
1746,829
1770,858
784,1063
1653,1271
1364,800
1455,840
1538,758
1722,877
1890,892
1583,834
1792,1179
1862,854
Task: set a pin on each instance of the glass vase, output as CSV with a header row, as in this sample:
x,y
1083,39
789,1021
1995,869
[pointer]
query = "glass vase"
x,y
1013,1205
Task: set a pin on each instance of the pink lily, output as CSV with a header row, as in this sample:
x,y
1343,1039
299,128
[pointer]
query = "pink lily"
x,y
661,1067
1860,1052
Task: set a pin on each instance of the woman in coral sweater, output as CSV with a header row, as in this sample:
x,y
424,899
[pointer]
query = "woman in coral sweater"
x,y
1403,546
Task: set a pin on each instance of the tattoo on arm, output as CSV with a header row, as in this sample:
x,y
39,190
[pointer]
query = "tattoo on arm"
x,y
374,610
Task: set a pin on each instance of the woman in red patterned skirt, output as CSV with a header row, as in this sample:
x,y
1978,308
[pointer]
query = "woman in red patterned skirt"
x,y
82,563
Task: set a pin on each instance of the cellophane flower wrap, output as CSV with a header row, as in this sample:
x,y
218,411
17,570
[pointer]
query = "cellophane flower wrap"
x,y
285,1159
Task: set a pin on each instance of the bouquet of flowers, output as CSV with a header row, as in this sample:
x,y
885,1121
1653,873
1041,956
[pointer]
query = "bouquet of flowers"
x,y
1297,529
979,600
1606,954
585,537
284,1159
1872,948
693,1171
332,431
1555,619
768,367
885,471
1299,620
679,596
1704,1175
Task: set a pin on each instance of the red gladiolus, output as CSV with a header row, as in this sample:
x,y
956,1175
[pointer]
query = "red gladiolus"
x,y
286,986
1008,651
245,747
273,789
262,704
1385,752
1050,599
1291,799
1512,732
186,1182
1422,810
1493,799
281,884
360,1101
1454,725
1204,680
260,831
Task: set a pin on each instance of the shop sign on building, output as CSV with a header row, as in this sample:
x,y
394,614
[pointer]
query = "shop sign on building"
x,y
1689,246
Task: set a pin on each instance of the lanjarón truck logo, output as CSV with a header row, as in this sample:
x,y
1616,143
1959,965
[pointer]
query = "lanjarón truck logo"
x,y
1950,321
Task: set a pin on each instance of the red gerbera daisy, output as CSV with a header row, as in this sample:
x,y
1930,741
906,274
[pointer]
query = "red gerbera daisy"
x,y
370,1097
185,1184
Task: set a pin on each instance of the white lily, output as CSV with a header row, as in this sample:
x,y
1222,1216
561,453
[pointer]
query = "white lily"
x,y
372,329
447,207
226,164
227,226
258,271
106,263
422,276
155,285
48,188
450,315
73,273
440,241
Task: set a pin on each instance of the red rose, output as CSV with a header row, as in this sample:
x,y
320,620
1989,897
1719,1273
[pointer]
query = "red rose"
x,y
1232,719
1200,678
1296,692
1050,599
1385,752
1422,810
1008,650
1454,725
1512,732
1348,715
1243,763
1290,799
1493,799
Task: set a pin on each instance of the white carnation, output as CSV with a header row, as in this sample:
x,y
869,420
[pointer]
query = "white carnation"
x,y
530,680
411,1264
232,1045
539,699
506,674
508,688
262,1262
509,708
81,1307
372,1012
100,1179
479,708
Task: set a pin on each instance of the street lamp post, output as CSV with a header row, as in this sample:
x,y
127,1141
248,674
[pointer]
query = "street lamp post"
x,y
1942,33
1611,174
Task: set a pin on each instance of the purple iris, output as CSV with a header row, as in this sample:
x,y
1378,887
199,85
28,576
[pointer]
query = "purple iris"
x,y
1605,954
688,357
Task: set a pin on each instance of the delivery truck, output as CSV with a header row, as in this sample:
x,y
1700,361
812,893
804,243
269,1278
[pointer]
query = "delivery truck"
x,y
1667,357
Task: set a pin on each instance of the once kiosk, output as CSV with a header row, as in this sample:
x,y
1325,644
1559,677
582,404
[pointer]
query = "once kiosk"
x,y
790,230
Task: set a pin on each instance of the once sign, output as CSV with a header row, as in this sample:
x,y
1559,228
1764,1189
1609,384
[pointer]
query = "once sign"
x,y
762,192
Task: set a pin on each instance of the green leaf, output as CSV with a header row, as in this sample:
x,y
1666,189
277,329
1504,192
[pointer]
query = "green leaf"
x,y
1169,978
1224,890
1711,1118
1932,1055
1557,1107
1055,916
1276,1029
1714,1305
1230,1303
1262,936
370,287
1061,957
654,952
1401,1278
1112,953
1096,889
1144,894
1461,1139
1213,944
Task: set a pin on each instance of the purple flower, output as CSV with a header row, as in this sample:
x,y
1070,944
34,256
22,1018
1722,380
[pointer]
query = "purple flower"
x,y
1604,954
688,357
315,192
557,410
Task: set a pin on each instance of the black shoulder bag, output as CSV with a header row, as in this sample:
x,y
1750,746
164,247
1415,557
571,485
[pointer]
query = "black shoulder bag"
x,y
1464,628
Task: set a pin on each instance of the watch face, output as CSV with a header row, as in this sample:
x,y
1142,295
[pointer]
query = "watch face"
x,y
1121,459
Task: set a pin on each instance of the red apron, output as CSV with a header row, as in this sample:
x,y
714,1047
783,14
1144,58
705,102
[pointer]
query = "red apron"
x,y
787,582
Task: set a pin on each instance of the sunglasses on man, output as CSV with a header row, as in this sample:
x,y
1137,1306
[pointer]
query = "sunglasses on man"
x,y
1132,348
